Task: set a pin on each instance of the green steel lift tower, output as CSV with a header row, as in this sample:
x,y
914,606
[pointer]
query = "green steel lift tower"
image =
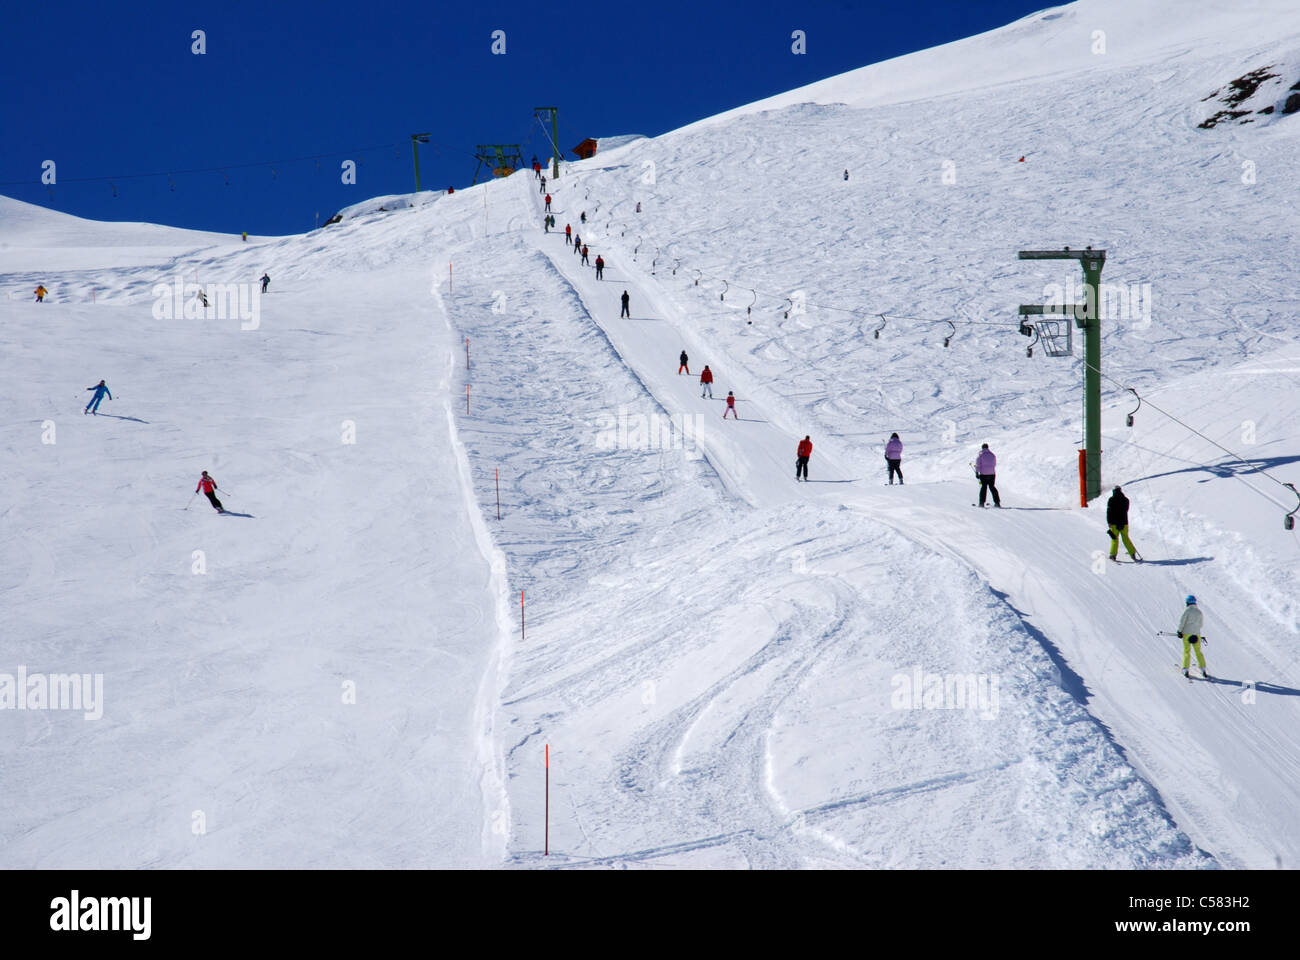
x,y
416,140
1087,316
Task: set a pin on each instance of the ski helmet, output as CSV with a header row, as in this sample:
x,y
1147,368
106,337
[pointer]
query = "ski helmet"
x,y
1191,599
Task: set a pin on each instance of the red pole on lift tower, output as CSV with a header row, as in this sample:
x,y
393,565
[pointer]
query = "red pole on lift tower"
x,y
1083,478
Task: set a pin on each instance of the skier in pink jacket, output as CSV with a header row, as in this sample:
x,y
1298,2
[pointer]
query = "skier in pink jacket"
x,y
894,457
986,466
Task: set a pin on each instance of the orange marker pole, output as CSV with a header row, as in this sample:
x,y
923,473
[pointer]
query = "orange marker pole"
x,y
546,850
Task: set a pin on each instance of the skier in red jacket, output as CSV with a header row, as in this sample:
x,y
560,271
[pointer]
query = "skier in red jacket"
x,y
731,406
802,453
706,382
568,233
548,203
208,486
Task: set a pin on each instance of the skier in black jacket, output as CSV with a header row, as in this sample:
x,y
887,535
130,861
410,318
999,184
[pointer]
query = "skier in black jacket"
x,y
1117,524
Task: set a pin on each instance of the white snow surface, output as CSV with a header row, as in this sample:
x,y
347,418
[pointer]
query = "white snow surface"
x,y
715,656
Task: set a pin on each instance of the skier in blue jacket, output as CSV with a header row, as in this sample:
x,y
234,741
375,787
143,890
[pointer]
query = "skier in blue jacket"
x,y
100,389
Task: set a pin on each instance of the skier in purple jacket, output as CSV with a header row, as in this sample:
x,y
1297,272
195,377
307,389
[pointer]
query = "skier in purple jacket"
x,y
893,457
986,465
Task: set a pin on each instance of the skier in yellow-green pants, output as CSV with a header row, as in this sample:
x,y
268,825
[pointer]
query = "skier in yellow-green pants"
x,y
1117,525
1189,631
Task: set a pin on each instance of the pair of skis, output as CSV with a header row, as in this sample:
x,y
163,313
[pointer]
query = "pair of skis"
x,y
1205,674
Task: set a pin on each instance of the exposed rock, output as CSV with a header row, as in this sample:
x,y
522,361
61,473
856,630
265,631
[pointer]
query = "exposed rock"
x,y
1221,117
1244,87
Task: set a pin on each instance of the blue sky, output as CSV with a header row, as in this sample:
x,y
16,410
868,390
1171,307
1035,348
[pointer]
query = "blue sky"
x,y
112,91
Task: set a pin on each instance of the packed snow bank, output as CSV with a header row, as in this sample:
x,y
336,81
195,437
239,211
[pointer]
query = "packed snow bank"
x,y
387,204
606,144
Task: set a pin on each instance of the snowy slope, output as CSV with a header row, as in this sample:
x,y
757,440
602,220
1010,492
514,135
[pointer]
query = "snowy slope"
x,y
719,659
931,249
36,240
308,675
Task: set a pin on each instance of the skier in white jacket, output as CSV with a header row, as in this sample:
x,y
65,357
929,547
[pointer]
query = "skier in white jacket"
x,y
1189,631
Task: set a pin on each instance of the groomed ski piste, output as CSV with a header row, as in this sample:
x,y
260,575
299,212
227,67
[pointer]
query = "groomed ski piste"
x,y
721,661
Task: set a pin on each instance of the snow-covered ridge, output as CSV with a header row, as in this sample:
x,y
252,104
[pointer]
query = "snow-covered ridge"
x,y
1075,38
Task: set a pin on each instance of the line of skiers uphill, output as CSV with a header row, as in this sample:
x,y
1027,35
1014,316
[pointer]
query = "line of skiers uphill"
x,y
985,465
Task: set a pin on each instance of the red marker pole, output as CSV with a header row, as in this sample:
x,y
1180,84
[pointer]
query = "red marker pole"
x,y
498,493
450,285
1083,478
546,850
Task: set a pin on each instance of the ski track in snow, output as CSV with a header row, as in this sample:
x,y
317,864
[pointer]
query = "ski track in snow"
x,y
692,758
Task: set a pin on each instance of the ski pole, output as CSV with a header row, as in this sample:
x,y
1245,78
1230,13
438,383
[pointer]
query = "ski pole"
x,y
191,500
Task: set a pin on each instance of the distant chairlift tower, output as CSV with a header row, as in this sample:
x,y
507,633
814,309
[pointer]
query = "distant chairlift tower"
x,y
416,140
1087,316
553,114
